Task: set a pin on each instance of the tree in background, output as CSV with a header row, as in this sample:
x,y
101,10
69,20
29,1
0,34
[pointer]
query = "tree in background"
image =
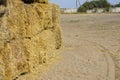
x,y
117,5
94,5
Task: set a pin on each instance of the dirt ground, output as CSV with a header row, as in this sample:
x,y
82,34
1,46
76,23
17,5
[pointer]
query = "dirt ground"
x,y
83,34
91,48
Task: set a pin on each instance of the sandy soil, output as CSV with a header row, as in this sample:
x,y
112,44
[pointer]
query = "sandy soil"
x,y
91,48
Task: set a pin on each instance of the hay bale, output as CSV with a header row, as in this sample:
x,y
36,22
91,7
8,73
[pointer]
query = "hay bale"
x,y
29,36
15,58
56,24
31,19
55,14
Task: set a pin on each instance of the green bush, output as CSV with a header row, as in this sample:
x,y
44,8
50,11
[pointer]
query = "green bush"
x,y
82,9
94,5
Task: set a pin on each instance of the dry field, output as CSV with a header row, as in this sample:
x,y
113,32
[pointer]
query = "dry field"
x,y
95,40
91,48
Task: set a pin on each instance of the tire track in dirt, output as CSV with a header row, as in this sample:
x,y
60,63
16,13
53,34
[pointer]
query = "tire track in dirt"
x,y
109,60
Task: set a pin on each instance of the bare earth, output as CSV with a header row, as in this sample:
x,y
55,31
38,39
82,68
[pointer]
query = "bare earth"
x,y
91,48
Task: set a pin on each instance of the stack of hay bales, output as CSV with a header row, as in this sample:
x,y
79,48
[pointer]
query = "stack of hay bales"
x,y
30,34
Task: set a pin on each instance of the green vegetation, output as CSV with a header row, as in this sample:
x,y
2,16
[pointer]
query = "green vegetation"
x,y
94,5
117,5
